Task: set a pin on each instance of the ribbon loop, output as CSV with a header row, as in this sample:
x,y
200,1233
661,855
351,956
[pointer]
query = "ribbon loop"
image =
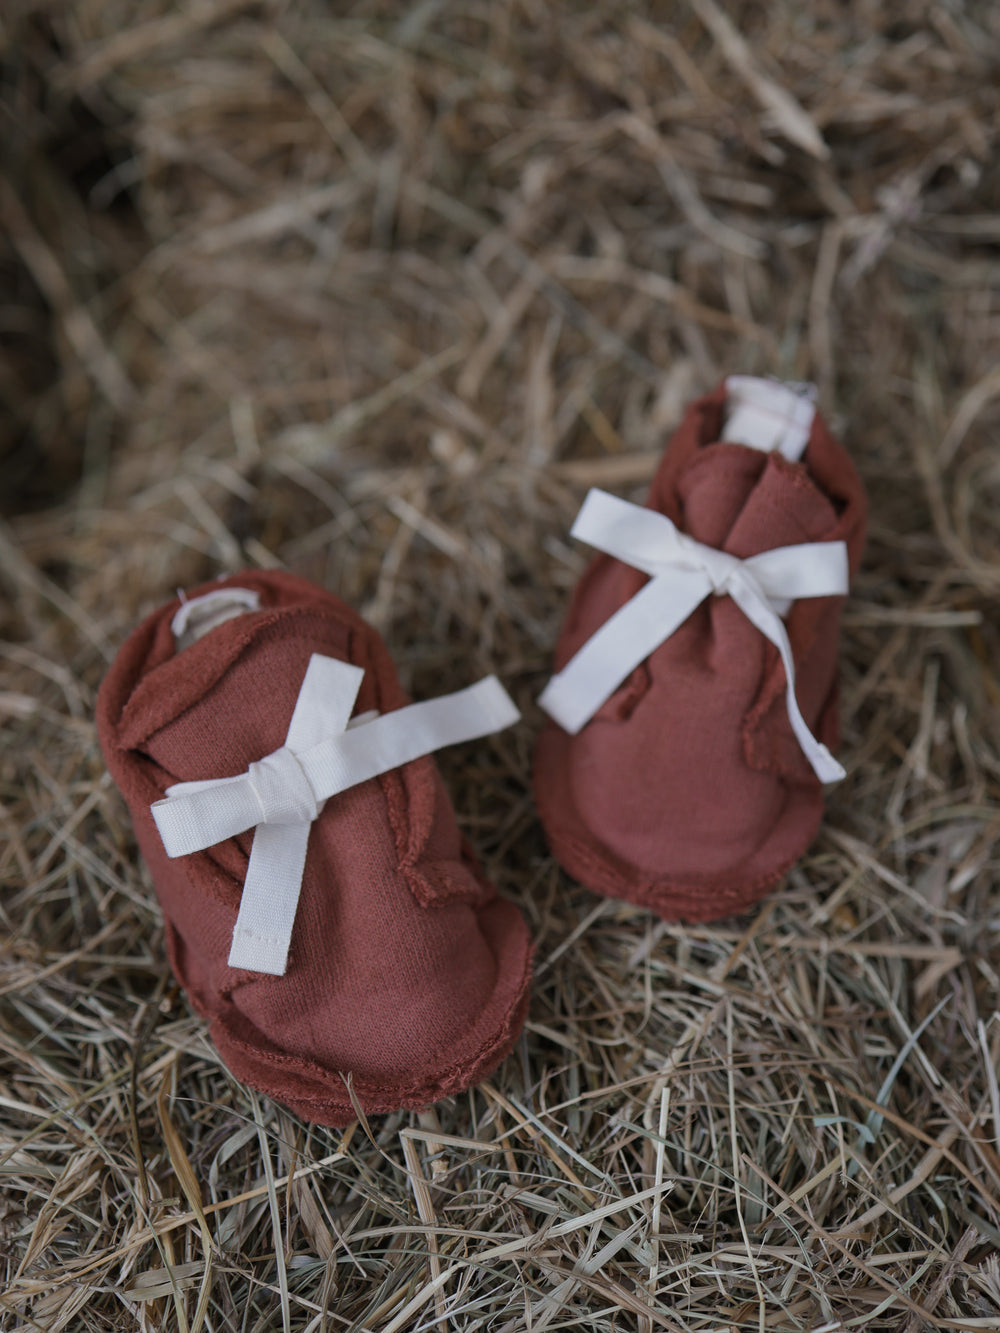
x,y
683,572
282,793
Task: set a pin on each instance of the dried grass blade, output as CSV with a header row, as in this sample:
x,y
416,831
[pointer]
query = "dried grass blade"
x,y
189,1184
795,122
425,1209
272,1198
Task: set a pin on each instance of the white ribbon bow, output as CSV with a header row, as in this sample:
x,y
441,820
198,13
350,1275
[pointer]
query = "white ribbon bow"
x,y
683,573
280,795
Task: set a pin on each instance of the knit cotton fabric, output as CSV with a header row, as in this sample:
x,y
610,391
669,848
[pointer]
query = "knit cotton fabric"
x,y
688,792
408,975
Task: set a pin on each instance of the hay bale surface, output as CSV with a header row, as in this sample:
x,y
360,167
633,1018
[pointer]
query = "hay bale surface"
x,y
374,293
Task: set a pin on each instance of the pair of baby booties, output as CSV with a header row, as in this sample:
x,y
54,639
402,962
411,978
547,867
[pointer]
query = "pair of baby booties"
x,y
399,976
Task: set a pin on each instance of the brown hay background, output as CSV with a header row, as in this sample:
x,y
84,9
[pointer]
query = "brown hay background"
x,y
374,292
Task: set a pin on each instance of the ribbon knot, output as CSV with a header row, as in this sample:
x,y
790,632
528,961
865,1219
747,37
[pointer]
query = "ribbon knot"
x,y
282,789
720,567
683,572
280,795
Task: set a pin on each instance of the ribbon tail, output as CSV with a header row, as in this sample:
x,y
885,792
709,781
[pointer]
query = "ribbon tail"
x,y
405,734
326,698
263,930
754,606
589,679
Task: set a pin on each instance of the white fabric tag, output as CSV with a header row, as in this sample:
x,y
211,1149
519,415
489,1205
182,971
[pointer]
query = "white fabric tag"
x,y
282,793
195,618
683,573
769,415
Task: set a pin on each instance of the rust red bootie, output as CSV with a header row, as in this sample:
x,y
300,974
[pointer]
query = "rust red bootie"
x,y
321,909
695,693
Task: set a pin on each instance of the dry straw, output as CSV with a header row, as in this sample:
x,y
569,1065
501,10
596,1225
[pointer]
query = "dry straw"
x,y
374,292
